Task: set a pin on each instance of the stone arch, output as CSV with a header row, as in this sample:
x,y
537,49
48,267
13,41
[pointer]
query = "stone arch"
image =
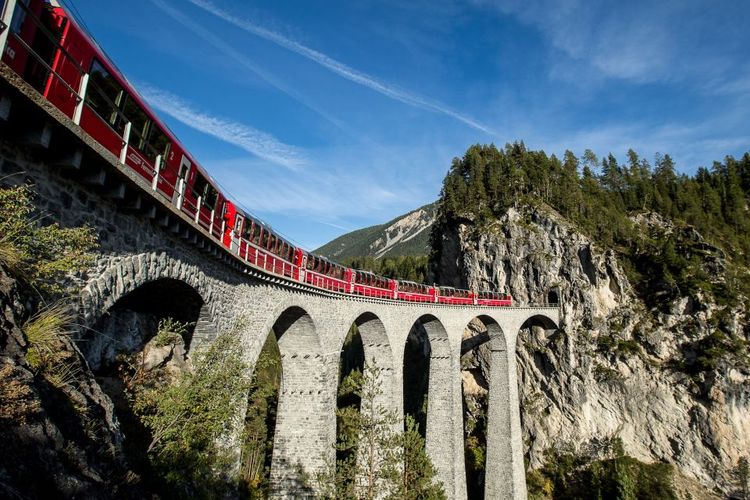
x,y
440,397
131,320
301,438
364,346
540,320
127,274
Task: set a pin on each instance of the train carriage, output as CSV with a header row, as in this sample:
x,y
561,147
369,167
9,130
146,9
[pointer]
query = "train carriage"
x,y
323,273
370,284
450,295
54,55
415,292
494,299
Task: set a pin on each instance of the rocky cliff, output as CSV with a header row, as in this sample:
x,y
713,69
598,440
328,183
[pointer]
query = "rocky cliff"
x,y
58,431
617,367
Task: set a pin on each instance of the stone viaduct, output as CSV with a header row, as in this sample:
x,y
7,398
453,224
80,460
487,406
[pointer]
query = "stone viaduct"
x,y
147,247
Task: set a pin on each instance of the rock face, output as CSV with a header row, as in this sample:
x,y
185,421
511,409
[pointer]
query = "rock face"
x,y
614,367
59,435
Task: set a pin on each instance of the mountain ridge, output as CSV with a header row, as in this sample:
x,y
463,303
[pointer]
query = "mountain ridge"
x,y
404,235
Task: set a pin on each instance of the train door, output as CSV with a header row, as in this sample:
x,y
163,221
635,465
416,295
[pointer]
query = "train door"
x,y
236,233
302,265
185,165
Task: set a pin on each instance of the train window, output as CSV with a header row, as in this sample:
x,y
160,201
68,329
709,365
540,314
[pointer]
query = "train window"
x,y
105,93
139,122
247,230
199,185
263,238
19,16
256,233
158,144
211,197
237,224
206,191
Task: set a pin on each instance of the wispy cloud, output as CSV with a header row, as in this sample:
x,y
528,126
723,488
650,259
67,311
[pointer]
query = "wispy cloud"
x,y
256,142
244,61
342,69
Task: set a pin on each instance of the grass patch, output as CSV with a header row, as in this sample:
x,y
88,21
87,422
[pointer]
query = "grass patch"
x,y
11,259
48,335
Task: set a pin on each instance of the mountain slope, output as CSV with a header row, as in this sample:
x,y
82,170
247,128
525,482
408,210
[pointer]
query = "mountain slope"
x,y
405,235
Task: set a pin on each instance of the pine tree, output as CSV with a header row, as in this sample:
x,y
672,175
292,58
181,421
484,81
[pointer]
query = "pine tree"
x,y
742,477
380,461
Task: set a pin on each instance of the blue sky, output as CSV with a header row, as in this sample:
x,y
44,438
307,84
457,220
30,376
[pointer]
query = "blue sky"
x,y
324,117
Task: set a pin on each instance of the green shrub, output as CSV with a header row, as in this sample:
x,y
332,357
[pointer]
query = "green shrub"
x,y
188,418
609,474
170,332
606,374
44,255
628,347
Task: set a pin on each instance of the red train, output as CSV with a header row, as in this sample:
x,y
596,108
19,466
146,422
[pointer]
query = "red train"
x,y
50,51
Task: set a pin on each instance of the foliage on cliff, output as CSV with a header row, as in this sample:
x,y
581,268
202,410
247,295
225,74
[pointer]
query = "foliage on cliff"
x,y
40,253
600,197
57,428
604,472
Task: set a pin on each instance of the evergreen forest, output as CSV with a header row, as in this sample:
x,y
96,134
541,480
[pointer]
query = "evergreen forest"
x,y
601,196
